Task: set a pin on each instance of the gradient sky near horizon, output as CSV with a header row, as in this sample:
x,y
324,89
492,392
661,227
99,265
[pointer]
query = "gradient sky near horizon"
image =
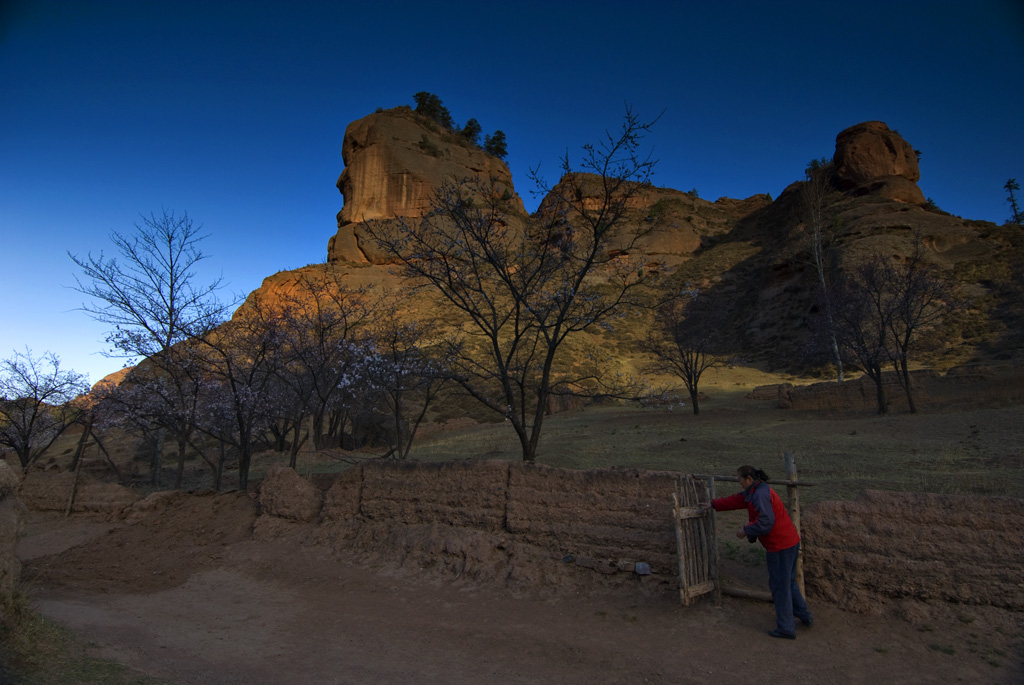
x,y
235,112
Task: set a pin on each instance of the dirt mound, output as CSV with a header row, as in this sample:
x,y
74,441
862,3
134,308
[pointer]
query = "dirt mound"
x,y
165,538
285,494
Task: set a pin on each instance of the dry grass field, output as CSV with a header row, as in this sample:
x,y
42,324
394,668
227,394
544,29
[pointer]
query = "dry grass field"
x,y
949,451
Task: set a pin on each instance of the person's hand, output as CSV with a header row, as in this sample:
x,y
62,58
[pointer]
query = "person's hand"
x,y
740,534
704,506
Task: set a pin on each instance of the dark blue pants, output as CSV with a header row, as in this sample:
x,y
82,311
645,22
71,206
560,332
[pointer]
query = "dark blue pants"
x,y
789,602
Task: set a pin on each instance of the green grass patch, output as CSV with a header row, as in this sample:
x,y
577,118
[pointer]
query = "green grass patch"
x,y
34,650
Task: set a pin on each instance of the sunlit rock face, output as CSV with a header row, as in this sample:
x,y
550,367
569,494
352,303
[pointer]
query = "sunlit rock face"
x,y
873,159
394,162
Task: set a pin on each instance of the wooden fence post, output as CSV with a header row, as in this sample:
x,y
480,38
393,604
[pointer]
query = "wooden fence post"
x,y
714,542
83,442
793,493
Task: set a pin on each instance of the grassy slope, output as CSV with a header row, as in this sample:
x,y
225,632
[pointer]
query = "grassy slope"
x,y
965,452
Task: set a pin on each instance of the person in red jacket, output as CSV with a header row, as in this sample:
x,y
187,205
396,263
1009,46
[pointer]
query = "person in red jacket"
x,y
770,523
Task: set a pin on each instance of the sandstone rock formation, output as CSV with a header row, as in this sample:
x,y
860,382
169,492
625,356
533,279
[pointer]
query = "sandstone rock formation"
x,y
394,162
672,225
875,159
752,253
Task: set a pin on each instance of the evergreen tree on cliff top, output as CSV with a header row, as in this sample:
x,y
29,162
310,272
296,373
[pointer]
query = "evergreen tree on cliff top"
x,y
430,106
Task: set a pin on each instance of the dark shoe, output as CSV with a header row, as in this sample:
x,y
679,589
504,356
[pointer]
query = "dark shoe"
x,y
809,621
778,633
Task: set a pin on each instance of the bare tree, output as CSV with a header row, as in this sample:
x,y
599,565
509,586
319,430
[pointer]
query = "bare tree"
x,y
240,398
156,401
158,311
324,320
408,368
151,297
36,403
923,300
682,344
821,241
884,309
862,304
524,286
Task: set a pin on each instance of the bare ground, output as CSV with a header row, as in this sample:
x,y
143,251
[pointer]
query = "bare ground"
x,y
191,597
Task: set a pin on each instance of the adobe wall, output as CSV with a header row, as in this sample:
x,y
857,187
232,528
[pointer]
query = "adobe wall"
x,y
536,527
519,524
48,490
892,546
11,523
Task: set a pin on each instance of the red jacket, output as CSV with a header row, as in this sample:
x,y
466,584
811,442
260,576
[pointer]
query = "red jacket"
x,y
769,520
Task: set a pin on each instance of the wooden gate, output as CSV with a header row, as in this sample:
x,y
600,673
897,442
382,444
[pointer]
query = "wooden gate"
x,y
695,537
697,542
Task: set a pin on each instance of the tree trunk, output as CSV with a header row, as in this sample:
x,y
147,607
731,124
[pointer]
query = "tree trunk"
x,y
883,405
902,369
181,464
156,464
244,460
694,400
80,448
838,357
317,427
220,467
25,457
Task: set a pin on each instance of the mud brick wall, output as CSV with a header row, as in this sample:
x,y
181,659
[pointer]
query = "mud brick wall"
x,y
537,526
463,494
921,546
11,523
604,518
529,516
49,491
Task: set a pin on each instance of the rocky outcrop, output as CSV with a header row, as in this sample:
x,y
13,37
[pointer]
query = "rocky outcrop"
x,y
753,253
394,162
871,158
664,226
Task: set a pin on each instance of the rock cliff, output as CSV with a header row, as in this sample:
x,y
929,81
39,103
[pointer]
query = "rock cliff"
x,y
871,158
394,162
753,253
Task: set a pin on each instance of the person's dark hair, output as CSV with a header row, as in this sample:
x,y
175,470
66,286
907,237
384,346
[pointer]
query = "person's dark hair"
x,y
751,472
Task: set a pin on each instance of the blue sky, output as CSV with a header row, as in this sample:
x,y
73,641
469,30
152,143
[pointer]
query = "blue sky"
x,y
235,112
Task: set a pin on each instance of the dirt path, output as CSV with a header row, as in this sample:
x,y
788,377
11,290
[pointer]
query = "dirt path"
x,y
254,612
